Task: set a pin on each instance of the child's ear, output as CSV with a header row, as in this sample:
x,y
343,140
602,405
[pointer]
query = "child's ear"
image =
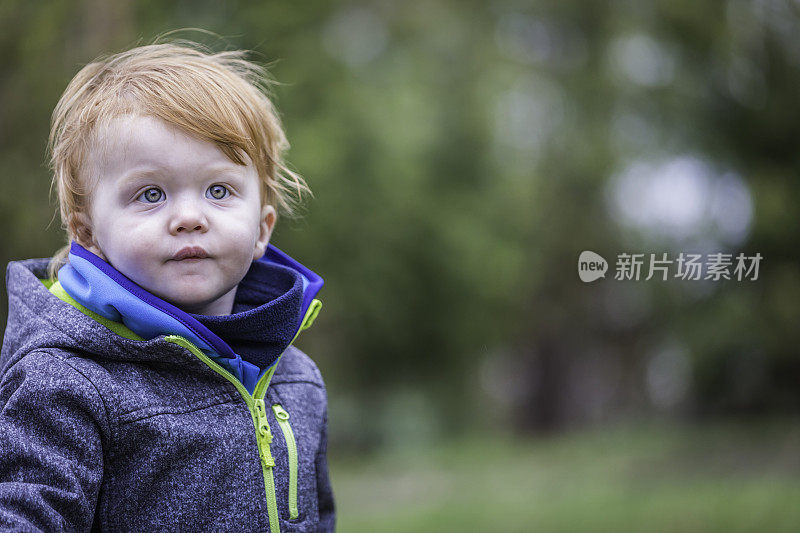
x,y
266,224
80,226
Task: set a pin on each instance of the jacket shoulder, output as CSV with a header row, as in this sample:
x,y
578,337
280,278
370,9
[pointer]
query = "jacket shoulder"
x,y
52,376
56,366
296,366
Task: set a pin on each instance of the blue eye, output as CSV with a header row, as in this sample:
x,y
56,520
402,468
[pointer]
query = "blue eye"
x,y
151,195
217,192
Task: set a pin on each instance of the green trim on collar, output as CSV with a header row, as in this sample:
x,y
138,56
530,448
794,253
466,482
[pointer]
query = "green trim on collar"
x,y
117,327
311,314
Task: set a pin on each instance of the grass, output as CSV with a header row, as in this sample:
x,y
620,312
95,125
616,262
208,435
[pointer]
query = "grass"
x,y
727,477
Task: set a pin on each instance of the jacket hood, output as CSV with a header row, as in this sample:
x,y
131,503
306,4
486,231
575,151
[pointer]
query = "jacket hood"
x,y
39,319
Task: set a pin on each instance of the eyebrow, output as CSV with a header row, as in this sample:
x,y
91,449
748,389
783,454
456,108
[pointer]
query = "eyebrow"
x,y
143,173
136,175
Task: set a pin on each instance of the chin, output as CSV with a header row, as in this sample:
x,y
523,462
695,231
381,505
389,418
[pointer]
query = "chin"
x,y
183,300
189,302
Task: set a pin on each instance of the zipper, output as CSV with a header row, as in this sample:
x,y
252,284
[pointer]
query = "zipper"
x,y
259,415
291,446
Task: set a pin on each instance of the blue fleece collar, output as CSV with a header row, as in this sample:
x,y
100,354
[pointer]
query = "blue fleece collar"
x,y
98,286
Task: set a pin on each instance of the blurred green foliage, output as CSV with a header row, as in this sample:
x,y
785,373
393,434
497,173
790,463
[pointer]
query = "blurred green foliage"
x,y
462,155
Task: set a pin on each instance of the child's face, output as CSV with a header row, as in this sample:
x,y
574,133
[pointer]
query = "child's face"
x,y
159,191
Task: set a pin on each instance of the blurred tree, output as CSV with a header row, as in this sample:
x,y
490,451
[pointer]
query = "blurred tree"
x,y
462,155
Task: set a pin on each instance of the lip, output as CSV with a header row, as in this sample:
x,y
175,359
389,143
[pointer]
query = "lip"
x,y
190,252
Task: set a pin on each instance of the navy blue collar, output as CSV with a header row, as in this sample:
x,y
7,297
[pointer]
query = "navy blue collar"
x,y
265,314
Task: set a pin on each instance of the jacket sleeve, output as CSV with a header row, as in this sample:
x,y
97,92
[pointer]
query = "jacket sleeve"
x,y
327,511
52,427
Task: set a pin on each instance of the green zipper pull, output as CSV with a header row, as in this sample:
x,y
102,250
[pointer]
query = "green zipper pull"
x,y
280,412
264,434
282,415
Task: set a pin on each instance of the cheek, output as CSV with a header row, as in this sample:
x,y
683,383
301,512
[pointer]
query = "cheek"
x,y
132,242
244,230
240,245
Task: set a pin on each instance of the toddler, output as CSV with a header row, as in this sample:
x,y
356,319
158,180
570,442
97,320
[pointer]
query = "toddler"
x,y
148,380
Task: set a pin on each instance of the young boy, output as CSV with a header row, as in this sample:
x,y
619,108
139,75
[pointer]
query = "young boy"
x,y
147,377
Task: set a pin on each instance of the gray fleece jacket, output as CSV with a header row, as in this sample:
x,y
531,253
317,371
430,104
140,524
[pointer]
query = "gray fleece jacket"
x,y
99,432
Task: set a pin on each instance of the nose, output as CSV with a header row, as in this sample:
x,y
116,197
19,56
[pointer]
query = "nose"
x,y
186,217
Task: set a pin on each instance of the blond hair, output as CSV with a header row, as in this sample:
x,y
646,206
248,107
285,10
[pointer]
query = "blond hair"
x,y
220,97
